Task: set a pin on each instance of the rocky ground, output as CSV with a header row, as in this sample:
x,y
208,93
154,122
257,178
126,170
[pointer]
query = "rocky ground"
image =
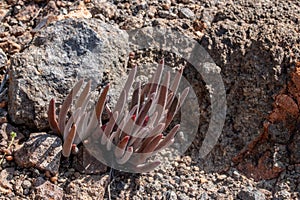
x,y
256,46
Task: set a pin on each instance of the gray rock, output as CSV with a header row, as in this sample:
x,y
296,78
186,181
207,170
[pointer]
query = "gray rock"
x,y
49,191
26,184
38,181
61,53
94,188
166,14
170,195
18,187
186,13
279,133
42,151
6,175
105,8
251,194
3,58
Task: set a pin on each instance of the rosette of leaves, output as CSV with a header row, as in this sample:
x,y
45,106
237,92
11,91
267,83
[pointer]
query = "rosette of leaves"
x,y
134,132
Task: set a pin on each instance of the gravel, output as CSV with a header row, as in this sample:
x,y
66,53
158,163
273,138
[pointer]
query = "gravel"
x,y
256,46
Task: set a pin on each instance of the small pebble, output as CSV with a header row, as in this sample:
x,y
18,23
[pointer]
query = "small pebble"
x,y
9,158
26,184
53,179
47,174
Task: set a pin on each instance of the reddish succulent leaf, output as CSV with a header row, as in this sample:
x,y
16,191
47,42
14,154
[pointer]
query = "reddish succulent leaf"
x,y
152,119
108,110
52,117
126,156
182,98
120,148
93,122
142,115
109,141
171,111
136,138
130,80
67,104
151,134
120,103
109,128
168,138
147,147
156,78
157,130
121,126
129,125
169,100
70,123
67,146
83,96
163,92
101,103
81,129
135,100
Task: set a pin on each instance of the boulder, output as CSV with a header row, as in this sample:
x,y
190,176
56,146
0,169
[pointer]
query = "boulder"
x,y
58,56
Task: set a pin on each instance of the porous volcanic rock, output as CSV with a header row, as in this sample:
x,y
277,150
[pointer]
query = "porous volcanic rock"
x,y
42,151
255,46
58,55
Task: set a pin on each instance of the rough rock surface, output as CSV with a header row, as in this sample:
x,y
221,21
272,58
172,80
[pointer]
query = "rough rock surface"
x,y
95,188
42,151
58,55
49,190
6,176
251,194
254,51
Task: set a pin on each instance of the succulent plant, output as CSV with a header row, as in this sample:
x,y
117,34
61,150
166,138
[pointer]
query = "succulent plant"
x,y
81,122
133,132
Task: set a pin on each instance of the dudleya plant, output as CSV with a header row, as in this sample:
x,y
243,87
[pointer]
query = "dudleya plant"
x,y
133,133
